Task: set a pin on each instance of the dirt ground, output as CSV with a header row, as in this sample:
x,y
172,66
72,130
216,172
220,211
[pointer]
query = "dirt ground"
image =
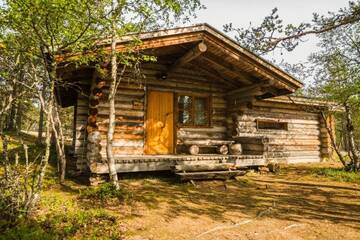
x,y
292,205
295,204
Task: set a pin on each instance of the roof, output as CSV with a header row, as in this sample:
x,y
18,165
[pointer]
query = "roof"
x,y
224,60
306,101
235,56
206,31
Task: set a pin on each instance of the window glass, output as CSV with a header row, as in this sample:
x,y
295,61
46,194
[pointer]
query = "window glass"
x,y
193,110
271,125
185,109
201,111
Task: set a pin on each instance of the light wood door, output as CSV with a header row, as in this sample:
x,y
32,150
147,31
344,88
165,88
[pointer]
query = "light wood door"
x,y
160,123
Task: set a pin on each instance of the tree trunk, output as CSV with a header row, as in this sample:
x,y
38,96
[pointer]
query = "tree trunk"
x,y
332,139
39,177
56,127
350,131
11,120
19,114
59,143
41,119
111,128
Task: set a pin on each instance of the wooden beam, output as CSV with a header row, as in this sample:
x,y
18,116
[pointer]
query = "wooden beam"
x,y
242,76
193,53
216,75
248,89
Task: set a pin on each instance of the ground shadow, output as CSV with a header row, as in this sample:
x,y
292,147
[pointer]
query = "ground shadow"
x,y
295,201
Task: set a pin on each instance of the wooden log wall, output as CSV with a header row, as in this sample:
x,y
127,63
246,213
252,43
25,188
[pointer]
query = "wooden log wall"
x,y
300,142
130,105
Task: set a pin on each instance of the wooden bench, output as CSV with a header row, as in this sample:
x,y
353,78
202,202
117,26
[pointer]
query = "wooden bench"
x,y
221,145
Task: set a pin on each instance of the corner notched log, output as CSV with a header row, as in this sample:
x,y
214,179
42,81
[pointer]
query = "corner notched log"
x,y
93,134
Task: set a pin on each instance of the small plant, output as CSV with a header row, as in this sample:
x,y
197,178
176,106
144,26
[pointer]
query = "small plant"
x,y
107,191
20,185
27,232
338,174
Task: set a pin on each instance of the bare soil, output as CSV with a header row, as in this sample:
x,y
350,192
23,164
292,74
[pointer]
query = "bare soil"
x,y
295,204
291,205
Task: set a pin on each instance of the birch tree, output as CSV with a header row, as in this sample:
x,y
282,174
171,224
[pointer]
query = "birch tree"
x,y
121,18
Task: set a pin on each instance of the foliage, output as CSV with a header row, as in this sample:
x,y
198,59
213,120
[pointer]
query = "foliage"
x,y
273,34
17,181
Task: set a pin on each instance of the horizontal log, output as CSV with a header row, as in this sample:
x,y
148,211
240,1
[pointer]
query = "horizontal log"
x,y
210,129
269,133
124,151
283,148
207,142
252,118
253,147
305,159
286,112
200,135
139,143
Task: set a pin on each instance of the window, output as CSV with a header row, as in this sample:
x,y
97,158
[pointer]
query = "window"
x,y
193,110
271,125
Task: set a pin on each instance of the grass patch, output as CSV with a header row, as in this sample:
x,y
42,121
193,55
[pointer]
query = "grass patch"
x,y
337,174
107,192
28,231
80,224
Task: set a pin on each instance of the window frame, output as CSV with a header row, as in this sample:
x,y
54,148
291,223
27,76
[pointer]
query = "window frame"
x,y
208,110
284,125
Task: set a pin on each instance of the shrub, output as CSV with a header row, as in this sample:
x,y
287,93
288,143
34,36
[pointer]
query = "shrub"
x,y
107,191
14,197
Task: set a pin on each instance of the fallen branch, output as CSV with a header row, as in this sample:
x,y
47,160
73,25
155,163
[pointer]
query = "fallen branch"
x,y
224,227
260,214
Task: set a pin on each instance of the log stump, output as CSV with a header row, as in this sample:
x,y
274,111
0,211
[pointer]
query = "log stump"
x,y
235,149
223,149
194,149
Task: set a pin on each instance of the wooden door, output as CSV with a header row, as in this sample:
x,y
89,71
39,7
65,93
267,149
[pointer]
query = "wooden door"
x,y
160,123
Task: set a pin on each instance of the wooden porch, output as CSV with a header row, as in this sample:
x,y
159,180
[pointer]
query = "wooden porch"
x,y
140,163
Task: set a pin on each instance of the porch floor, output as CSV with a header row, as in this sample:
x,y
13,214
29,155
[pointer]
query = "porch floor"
x,y
139,163
178,158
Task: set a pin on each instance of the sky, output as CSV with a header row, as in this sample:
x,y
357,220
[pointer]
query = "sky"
x,y
242,12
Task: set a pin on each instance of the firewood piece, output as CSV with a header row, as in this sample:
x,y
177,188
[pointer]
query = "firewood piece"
x,y
194,149
235,149
223,149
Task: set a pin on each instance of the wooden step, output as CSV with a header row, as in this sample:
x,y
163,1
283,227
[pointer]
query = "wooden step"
x,y
204,167
218,175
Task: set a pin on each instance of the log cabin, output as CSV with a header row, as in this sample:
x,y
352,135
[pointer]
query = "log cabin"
x,y
205,101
